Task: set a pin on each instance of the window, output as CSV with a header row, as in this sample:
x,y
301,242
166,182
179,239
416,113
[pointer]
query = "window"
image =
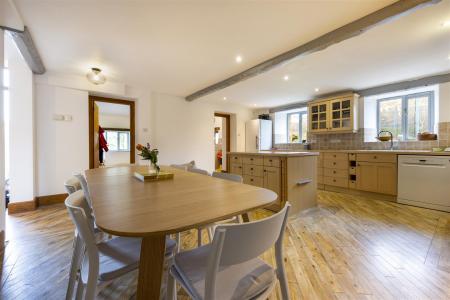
x,y
118,140
406,115
297,124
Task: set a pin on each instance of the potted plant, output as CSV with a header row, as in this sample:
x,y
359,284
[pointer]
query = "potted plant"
x,y
151,155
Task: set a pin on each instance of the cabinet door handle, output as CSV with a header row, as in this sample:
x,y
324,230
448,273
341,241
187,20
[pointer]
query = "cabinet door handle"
x,y
251,169
251,179
374,157
334,172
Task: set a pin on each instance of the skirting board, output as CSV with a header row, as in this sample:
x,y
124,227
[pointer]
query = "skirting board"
x,y
23,206
51,199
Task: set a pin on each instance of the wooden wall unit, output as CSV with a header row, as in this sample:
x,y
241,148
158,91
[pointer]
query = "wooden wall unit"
x,y
367,172
338,114
292,177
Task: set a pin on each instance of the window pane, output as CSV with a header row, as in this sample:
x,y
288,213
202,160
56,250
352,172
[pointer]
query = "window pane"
x,y
304,126
111,139
293,128
390,117
418,116
123,141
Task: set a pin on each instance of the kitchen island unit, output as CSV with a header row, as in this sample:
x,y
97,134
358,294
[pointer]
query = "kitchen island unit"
x,y
292,175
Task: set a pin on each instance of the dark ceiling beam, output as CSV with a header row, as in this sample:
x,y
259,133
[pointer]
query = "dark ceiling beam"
x,y
28,50
377,90
345,32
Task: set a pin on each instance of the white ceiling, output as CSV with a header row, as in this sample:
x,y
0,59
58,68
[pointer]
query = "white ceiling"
x,y
411,47
106,108
177,46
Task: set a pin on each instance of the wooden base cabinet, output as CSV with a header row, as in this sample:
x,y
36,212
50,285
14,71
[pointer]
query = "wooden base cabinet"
x,y
377,177
293,178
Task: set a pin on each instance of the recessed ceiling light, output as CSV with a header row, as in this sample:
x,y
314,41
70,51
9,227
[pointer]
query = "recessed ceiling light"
x,y
286,77
238,59
254,104
445,23
224,98
316,89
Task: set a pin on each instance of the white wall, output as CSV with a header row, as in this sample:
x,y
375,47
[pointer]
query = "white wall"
x,y
444,102
63,146
2,138
184,131
21,127
114,121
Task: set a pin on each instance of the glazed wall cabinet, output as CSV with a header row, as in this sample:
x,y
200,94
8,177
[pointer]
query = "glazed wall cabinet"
x,y
334,115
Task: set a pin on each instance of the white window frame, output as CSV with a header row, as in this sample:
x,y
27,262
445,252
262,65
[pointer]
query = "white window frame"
x,y
119,132
300,127
404,109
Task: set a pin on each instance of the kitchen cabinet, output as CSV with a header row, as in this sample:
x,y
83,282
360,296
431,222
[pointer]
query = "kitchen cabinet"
x,y
292,175
334,115
377,177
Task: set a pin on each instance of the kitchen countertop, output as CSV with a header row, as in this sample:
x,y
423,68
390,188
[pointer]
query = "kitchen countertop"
x,y
410,152
279,153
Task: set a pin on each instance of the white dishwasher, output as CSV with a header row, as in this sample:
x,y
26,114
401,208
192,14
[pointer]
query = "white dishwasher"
x,y
424,181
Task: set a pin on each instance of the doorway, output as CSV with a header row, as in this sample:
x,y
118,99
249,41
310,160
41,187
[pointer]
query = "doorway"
x,y
221,141
111,132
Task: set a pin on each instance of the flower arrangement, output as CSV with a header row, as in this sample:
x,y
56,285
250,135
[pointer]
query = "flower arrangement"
x,y
149,154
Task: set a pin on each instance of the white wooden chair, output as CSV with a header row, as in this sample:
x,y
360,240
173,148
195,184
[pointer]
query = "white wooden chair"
x,y
229,267
84,187
228,176
105,261
198,171
72,185
185,166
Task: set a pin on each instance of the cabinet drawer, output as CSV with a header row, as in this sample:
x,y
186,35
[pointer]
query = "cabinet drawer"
x,y
320,162
352,184
376,157
335,164
253,180
352,156
272,161
253,160
320,179
334,181
236,169
336,156
253,170
235,159
338,173
352,170
319,171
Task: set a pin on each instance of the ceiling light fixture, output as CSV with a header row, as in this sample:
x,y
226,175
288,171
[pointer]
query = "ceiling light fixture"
x,y
254,104
95,76
286,77
445,23
224,98
238,59
316,90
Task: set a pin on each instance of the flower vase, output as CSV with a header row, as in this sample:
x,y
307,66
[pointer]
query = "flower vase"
x,y
152,168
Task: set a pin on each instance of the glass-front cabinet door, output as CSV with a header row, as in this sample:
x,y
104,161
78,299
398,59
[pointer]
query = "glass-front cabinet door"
x,y
319,113
341,114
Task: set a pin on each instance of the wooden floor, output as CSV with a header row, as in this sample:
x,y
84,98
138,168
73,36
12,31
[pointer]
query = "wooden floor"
x,y
347,248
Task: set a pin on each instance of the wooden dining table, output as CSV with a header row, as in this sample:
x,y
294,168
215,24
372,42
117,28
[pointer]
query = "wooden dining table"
x,y
126,206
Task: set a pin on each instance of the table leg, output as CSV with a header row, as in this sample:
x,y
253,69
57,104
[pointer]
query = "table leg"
x,y
151,266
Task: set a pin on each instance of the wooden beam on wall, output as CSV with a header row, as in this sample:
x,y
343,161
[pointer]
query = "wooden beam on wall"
x,y
345,32
28,50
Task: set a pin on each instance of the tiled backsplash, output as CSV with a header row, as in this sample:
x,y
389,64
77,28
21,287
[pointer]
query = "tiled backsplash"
x,y
349,141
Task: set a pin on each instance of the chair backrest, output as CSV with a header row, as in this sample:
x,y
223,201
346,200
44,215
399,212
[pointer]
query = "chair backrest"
x,y
228,176
84,187
72,185
79,211
258,236
198,171
185,166
237,243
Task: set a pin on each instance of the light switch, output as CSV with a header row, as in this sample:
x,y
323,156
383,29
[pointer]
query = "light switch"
x,y
57,117
67,117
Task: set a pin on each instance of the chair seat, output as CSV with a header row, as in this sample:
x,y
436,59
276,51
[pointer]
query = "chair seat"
x,y
119,256
247,280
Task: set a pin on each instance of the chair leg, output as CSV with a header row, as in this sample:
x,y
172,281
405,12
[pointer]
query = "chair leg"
x,y
199,237
178,240
210,233
171,287
80,290
74,267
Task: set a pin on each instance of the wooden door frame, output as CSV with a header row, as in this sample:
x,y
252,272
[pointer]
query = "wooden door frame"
x,y
92,100
228,136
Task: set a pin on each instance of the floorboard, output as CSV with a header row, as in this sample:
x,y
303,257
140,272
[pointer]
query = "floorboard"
x,y
349,247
